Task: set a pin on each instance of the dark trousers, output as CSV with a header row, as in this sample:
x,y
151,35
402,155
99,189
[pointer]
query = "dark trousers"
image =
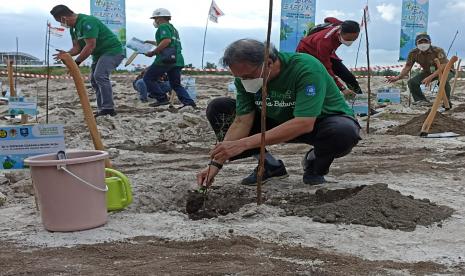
x,y
345,75
332,137
154,72
415,82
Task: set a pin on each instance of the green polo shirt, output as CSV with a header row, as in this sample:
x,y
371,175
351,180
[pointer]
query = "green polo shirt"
x,y
88,26
303,88
166,30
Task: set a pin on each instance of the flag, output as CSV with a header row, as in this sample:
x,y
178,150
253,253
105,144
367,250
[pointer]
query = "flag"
x,y
214,12
56,31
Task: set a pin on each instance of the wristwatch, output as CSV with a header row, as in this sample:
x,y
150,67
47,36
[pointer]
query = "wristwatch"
x,y
216,164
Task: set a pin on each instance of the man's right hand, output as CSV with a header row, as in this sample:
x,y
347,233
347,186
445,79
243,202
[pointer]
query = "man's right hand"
x,y
211,172
393,79
348,92
58,54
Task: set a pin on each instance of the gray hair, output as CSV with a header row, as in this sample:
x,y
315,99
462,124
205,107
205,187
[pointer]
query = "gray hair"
x,y
246,50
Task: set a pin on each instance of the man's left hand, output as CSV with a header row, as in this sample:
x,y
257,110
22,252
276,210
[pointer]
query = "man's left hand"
x,y
227,149
427,81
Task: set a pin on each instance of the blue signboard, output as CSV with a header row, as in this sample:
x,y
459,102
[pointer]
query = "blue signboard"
x,y
19,142
297,17
414,21
113,14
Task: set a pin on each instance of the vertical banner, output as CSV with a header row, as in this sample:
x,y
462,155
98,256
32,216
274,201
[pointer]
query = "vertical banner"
x,y
414,21
113,14
297,17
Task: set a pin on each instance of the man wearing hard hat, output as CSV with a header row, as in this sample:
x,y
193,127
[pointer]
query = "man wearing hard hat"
x,y
168,60
424,54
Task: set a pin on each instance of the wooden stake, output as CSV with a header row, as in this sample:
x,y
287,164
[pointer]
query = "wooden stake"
x,y
439,98
369,70
445,100
455,78
131,58
11,82
88,115
10,78
266,69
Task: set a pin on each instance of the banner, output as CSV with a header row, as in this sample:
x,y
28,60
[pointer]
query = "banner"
x,y
214,12
113,14
297,17
414,21
19,142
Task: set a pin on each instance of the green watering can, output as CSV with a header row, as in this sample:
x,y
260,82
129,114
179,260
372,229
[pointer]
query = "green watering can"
x,y
119,194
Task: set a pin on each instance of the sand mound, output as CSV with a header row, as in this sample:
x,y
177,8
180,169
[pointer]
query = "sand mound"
x,y
441,123
374,205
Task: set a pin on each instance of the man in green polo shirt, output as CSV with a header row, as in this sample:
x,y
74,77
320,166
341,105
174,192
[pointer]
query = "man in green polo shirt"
x,y
304,105
91,37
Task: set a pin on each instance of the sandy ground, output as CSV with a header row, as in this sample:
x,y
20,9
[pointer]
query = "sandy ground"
x,y
162,149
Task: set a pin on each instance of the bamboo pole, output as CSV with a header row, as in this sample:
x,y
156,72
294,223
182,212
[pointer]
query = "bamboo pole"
x,y
266,69
455,78
369,70
442,85
84,99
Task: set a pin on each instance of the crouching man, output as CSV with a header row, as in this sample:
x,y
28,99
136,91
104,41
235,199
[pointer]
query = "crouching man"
x,y
304,105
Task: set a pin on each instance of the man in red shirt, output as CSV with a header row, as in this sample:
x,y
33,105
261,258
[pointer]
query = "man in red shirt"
x,y
323,45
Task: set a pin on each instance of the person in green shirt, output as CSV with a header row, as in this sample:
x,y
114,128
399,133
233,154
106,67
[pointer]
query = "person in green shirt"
x,y
168,60
91,37
304,105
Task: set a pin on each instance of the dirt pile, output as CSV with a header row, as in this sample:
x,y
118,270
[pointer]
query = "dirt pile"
x,y
441,123
374,205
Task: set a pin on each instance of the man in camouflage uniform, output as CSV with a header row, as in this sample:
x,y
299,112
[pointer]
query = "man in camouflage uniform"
x,y
424,54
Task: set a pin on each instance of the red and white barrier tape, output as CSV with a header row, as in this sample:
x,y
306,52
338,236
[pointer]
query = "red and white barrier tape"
x,y
67,77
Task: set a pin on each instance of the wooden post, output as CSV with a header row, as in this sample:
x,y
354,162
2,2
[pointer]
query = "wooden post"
x,y
369,70
88,115
455,78
439,98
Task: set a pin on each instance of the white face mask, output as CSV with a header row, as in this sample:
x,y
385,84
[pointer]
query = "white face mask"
x,y
345,42
253,85
423,47
155,24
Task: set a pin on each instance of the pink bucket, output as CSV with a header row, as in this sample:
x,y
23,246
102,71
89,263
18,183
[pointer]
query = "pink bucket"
x,y
71,192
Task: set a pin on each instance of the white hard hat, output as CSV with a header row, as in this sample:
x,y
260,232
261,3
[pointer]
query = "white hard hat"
x,y
160,12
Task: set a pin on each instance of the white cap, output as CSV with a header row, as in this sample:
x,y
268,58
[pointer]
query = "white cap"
x,y
160,12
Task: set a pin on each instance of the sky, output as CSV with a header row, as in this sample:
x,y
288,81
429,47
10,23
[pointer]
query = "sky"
x,y
26,19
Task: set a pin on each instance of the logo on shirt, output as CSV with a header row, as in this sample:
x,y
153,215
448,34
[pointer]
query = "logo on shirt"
x,y
88,27
310,90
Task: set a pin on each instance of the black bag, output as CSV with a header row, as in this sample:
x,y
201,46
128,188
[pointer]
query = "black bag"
x,y
318,28
168,55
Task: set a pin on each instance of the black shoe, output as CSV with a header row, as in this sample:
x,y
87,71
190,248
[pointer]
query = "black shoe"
x,y
184,105
271,172
159,103
309,177
104,112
